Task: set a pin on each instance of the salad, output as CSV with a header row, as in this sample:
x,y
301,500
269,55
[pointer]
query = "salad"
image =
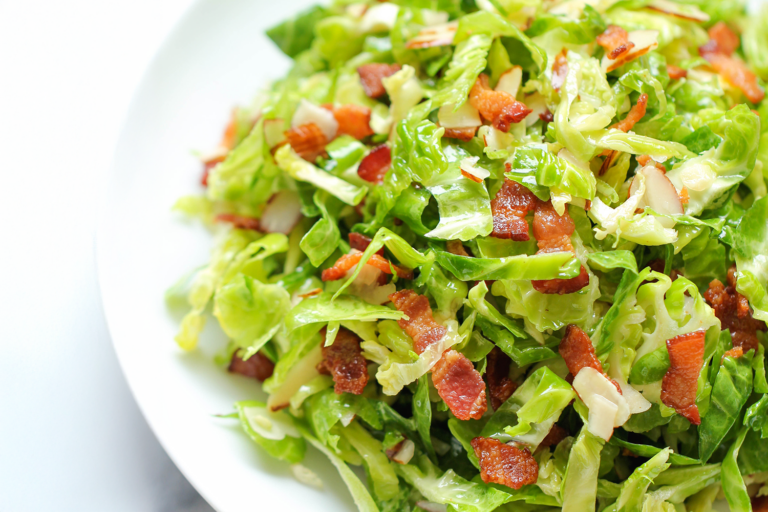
x,y
502,254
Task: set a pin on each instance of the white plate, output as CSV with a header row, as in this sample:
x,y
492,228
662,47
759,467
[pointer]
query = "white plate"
x,y
216,57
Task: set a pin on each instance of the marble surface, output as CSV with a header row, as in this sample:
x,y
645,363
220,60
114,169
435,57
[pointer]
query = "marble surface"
x,y
72,437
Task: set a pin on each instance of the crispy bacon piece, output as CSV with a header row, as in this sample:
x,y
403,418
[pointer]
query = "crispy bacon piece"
x,y
760,504
732,308
615,41
647,160
308,140
371,76
685,198
636,113
559,71
465,134
504,464
500,385
258,366
498,107
239,221
348,261
547,117
678,387
553,234
354,120
208,167
577,350
361,242
718,51
344,361
676,73
456,247
556,434
375,165
460,385
510,206
420,326
735,353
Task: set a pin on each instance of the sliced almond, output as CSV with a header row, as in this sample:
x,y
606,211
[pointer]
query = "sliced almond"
x,y
644,40
538,106
469,167
510,81
308,112
380,17
438,35
282,213
466,116
686,12
405,453
661,194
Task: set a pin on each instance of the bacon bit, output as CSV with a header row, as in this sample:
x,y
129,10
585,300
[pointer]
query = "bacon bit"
x,y
258,366
465,134
504,464
553,234
678,387
684,196
547,117
498,107
760,504
676,73
644,160
311,293
375,165
308,140
460,386
559,72
636,113
208,167
510,206
354,120
456,247
556,434
344,361
420,326
361,242
587,205
371,76
615,41
735,353
500,385
348,261
718,51
239,221
578,352
732,308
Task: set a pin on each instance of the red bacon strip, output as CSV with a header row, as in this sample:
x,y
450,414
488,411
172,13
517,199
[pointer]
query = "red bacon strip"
x,y
559,71
348,261
500,385
578,352
676,73
718,51
239,221
345,363
735,353
375,165
553,234
760,504
371,76
732,308
456,247
678,387
354,120
460,385
636,113
510,206
308,140
465,134
258,366
420,326
553,438
361,242
454,376
504,464
498,107
615,41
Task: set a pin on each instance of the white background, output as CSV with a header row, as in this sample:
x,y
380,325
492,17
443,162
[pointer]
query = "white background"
x,y
71,435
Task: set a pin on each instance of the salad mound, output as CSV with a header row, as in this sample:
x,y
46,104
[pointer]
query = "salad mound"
x,y
502,254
